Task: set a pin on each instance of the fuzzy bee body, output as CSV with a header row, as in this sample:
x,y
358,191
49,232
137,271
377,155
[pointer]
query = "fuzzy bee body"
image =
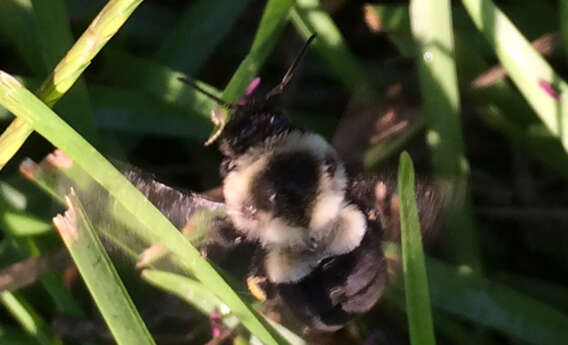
x,y
285,189
320,254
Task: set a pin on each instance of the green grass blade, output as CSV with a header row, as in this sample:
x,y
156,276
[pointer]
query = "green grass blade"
x,y
79,57
56,39
271,25
100,276
28,318
188,45
12,139
431,24
415,281
308,17
157,228
541,86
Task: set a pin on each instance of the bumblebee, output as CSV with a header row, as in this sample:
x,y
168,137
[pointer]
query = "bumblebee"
x,y
316,228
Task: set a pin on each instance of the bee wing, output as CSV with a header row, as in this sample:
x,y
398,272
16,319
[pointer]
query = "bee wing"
x,y
377,196
56,174
178,206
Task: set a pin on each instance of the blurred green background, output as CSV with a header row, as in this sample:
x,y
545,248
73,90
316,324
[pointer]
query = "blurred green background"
x,y
497,271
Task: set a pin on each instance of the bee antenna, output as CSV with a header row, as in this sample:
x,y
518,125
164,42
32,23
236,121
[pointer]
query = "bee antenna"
x,y
279,89
194,85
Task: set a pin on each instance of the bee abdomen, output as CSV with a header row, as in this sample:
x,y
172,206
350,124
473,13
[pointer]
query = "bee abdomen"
x,y
339,288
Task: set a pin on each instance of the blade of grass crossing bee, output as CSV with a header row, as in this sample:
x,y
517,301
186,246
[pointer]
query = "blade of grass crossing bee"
x,y
415,280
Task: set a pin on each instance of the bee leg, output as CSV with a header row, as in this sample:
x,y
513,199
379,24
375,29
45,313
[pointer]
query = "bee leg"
x,y
257,281
262,289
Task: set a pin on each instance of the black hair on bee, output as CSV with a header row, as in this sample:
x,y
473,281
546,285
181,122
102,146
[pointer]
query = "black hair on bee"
x,y
285,189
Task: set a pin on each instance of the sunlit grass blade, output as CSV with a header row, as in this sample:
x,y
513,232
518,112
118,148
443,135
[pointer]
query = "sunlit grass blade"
x,y
100,276
188,45
431,25
28,318
310,18
156,227
79,57
56,39
271,25
12,139
415,281
543,88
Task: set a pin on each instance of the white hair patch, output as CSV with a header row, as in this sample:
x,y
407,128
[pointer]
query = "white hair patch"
x,y
350,229
286,267
236,187
279,234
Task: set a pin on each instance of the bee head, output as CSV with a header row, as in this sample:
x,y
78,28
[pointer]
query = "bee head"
x,y
253,119
250,127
